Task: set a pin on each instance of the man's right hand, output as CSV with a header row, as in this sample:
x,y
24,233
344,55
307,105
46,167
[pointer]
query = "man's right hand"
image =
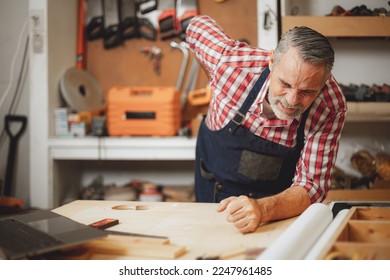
x,y
243,212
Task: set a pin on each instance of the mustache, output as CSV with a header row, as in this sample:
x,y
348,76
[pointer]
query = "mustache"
x,y
287,105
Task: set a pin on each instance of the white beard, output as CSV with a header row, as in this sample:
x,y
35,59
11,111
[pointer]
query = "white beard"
x,y
273,101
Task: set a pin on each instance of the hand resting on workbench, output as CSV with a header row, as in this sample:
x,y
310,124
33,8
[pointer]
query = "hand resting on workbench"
x,y
247,214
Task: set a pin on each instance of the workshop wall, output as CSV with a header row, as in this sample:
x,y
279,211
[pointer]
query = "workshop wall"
x,y
13,97
126,65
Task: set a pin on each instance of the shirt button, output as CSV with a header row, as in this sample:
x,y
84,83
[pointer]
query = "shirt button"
x,y
218,186
250,194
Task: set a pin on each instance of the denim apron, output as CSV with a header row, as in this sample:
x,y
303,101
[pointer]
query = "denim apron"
x,y
233,161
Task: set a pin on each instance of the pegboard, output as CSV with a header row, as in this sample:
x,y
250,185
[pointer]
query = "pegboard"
x,y
126,65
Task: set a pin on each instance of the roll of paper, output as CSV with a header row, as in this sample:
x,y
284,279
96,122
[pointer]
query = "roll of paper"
x,y
317,251
295,242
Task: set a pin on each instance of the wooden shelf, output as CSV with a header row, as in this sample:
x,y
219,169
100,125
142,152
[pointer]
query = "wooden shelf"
x,y
123,148
368,111
364,234
341,26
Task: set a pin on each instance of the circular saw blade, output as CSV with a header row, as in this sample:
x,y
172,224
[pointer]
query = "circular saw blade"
x,y
81,91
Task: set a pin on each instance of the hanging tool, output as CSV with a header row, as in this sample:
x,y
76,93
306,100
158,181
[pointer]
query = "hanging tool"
x,y
155,55
185,11
183,64
81,42
134,26
80,90
167,19
112,34
146,29
147,19
12,152
146,6
191,80
95,20
128,19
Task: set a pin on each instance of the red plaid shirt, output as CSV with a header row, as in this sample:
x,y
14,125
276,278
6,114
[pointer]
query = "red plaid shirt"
x,y
233,68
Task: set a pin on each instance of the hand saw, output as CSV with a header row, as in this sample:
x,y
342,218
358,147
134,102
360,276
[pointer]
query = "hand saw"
x,y
146,6
167,19
128,19
147,23
112,34
185,11
95,20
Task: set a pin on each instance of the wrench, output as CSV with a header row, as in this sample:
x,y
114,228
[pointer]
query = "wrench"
x,y
192,77
183,64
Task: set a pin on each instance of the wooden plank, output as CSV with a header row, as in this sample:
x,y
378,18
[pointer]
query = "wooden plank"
x,y
368,111
136,239
359,251
372,213
359,195
134,248
381,184
361,235
341,26
369,231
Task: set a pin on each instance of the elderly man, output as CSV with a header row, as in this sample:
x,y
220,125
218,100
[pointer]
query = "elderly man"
x,y
267,147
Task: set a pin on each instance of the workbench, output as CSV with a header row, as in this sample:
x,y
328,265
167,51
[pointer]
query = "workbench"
x,y
189,231
194,230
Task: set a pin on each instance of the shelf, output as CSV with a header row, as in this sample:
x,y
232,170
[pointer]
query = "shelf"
x,y
172,148
341,26
123,148
368,111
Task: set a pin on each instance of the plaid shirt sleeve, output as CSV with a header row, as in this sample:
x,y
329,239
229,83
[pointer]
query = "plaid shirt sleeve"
x,y
209,42
323,131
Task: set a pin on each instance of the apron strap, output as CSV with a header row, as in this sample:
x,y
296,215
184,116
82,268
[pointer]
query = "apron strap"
x,y
239,118
301,129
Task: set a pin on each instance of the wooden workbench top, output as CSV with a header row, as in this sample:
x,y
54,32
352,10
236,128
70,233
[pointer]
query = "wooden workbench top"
x,y
197,226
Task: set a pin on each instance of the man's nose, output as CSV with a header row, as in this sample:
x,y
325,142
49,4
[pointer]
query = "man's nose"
x,y
293,98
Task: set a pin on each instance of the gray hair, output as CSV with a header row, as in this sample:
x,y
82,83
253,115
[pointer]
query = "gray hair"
x,y
313,47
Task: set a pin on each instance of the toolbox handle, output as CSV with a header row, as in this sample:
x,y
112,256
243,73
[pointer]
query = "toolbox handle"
x,y
141,91
200,96
139,115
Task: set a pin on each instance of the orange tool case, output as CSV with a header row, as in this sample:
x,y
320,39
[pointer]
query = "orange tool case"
x,y
143,111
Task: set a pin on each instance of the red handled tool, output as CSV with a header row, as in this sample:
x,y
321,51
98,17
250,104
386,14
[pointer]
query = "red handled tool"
x,y
167,19
81,42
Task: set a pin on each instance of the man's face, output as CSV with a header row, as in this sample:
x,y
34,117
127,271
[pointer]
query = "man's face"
x,y
294,84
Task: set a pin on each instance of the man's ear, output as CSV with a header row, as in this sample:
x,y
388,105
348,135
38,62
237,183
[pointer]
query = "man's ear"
x,y
271,59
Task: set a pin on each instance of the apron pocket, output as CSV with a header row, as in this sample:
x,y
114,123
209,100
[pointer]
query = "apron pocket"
x,y
259,167
204,172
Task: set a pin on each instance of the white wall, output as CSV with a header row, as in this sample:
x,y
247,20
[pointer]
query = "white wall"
x,y
13,36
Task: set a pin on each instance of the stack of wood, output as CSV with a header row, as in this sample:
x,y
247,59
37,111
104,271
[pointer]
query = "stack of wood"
x,y
133,247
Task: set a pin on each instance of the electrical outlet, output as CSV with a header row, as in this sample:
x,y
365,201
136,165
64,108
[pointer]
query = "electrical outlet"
x,y
37,42
36,20
37,30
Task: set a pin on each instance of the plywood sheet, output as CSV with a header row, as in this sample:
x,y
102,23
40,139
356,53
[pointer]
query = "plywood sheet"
x,y
196,226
